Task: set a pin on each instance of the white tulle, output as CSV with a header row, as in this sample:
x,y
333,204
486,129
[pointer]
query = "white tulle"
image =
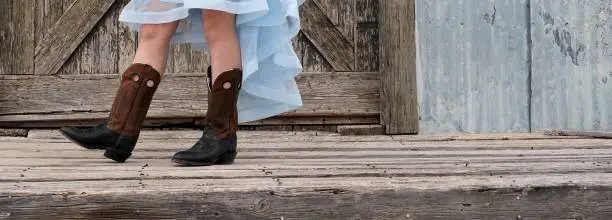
x,y
265,29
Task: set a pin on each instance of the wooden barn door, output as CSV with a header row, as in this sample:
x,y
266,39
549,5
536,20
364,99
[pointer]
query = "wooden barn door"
x,y
64,57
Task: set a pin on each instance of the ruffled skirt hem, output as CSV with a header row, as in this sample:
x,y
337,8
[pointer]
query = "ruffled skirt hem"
x,y
265,29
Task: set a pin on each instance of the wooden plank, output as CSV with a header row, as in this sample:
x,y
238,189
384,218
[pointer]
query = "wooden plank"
x,y
342,14
108,41
13,132
361,129
310,58
101,161
333,198
181,53
399,104
127,43
47,14
516,138
72,66
87,55
23,43
594,134
184,59
66,35
241,171
330,42
366,36
90,96
302,153
319,129
88,119
6,37
333,143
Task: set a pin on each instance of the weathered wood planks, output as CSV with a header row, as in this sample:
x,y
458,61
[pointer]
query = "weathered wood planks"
x,y
292,175
28,98
324,35
6,38
67,34
101,45
399,105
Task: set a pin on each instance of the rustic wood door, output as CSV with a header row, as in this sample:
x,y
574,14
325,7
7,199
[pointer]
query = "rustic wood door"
x,y
61,60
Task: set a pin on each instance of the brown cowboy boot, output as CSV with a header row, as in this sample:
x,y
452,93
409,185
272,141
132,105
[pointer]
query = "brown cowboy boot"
x,y
218,142
118,135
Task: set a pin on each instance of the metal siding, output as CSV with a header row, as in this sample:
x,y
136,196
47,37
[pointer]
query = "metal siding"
x,y
572,64
473,67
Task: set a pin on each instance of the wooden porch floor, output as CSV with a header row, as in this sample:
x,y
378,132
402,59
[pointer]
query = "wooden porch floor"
x,y
313,175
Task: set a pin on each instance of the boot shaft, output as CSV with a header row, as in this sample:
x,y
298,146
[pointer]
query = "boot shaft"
x,y
133,98
222,114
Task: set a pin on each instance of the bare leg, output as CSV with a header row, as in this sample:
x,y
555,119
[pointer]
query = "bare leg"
x,y
219,142
139,82
154,44
220,28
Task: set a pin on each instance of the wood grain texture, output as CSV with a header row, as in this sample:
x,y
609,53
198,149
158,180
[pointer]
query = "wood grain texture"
x,y
72,66
310,58
108,41
127,40
374,129
306,175
6,38
47,14
399,104
89,119
564,132
66,35
366,36
573,202
179,96
23,43
342,14
521,140
324,35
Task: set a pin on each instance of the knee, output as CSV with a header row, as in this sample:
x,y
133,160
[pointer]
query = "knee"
x,y
218,25
159,33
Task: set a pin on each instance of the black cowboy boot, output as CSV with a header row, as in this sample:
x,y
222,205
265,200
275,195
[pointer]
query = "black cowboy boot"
x,y
218,142
119,134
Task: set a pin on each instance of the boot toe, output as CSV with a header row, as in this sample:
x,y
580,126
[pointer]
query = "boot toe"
x,y
72,133
191,158
78,137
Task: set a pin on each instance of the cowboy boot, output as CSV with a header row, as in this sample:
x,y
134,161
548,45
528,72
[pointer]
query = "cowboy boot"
x,y
119,134
218,142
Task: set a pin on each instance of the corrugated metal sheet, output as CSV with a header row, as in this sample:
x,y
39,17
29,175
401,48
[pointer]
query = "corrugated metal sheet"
x,y
473,65
572,64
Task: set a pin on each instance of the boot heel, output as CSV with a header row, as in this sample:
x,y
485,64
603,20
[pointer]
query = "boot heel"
x,y
227,158
117,155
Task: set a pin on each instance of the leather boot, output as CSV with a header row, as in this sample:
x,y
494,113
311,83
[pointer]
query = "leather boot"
x,y
119,134
218,142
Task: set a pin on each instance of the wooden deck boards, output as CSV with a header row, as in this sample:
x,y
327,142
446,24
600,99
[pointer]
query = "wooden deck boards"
x,y
313,175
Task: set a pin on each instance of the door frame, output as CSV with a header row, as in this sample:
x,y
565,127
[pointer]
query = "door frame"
x,y
398,96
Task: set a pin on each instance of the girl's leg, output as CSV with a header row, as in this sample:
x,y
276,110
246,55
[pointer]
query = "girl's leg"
x,y
218,144
222,41
118,136
153,45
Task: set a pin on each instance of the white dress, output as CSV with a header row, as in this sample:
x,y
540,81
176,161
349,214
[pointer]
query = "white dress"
x,y
265,29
